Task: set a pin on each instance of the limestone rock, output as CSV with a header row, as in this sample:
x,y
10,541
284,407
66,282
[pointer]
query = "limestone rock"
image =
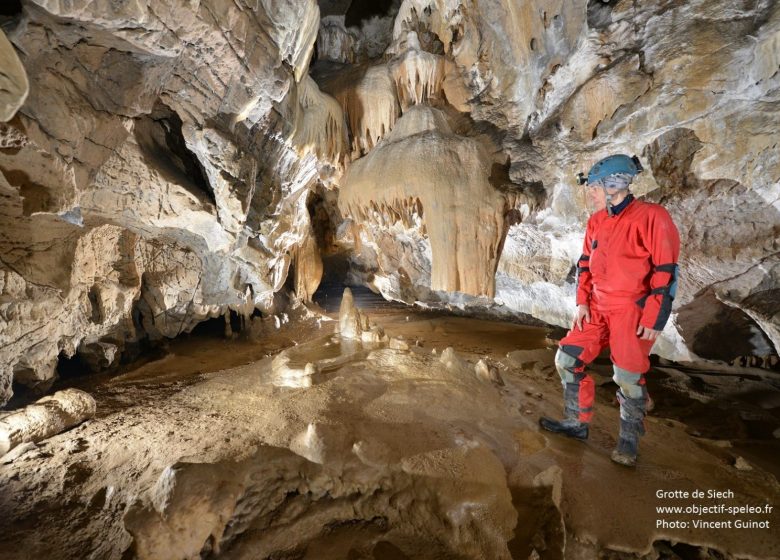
x,y
13,80
158,173
98,355
45,418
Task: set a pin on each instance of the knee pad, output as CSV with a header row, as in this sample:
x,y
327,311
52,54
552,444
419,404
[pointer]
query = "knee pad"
x,y
631,384
565,365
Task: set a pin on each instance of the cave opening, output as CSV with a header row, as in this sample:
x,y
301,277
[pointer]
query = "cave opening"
x,y
599,13
10,14
363,10
161,139
69,367
213,327
11,8
717,331
96,316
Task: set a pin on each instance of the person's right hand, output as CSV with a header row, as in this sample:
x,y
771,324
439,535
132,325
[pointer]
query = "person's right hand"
x,y
583,312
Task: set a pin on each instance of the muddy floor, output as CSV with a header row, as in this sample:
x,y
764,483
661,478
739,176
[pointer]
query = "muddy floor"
x,y
396,449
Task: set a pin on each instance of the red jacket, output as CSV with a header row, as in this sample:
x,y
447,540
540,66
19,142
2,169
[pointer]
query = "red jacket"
x,y
630,259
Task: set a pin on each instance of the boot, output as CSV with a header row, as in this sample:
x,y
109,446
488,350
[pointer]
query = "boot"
x,y
632,414
569,428
628,443
571,425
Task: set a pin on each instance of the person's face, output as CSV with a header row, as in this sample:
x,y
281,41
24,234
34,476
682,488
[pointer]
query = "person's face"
x,y
597,199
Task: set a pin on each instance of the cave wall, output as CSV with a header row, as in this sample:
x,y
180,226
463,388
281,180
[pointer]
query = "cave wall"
x,y
157,157
155,176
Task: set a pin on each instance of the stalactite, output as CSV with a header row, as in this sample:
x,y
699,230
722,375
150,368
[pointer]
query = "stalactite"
x,y
335,42
418,74
370,105
464,214
320,123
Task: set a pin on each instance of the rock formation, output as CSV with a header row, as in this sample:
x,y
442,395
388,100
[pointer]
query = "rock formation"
x,y
161,169
168,162
451,203
45,418
157,175
388,451
13,85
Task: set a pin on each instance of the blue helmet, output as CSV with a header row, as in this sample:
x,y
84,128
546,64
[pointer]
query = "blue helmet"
x,y
613,172
612,165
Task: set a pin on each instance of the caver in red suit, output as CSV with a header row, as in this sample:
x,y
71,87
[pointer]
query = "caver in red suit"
x,y
626,282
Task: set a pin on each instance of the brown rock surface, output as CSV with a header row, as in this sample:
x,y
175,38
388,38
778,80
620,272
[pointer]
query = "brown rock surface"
x,y
386,450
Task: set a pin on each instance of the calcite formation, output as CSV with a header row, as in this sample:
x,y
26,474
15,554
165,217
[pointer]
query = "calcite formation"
x,y
387,450
563,84
367,96
161,169
463,215
419,75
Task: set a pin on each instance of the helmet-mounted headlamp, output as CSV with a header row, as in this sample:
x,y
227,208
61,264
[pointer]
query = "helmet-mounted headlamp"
x,y
612,165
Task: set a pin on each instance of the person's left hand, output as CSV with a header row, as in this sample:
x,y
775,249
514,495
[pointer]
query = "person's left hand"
x,y
647,334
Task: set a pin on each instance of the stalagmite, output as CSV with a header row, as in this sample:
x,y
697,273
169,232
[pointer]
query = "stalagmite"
x,y
487,373
350,321
45,418
452,361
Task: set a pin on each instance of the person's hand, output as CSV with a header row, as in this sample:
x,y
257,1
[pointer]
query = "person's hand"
x,y
583,312
646,333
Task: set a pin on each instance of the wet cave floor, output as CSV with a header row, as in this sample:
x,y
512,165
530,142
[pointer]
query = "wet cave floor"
x,y
394,451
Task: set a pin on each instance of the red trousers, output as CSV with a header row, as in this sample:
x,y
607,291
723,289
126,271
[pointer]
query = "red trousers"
x,y
615,328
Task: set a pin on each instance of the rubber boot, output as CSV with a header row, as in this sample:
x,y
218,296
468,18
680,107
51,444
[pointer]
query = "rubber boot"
x,y
570,426
632,414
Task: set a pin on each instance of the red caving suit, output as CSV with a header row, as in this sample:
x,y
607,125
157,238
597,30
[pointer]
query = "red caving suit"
x,y
625,274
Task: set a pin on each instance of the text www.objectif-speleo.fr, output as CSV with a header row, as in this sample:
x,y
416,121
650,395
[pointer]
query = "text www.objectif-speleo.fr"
x,y
718,512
